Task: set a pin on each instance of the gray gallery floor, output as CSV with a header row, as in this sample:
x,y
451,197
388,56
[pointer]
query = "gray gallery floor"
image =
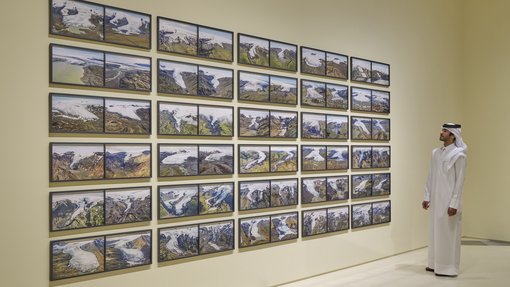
x,y
483,263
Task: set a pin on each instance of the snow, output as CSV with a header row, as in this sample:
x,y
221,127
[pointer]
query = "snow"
x,y
216,114
285,83
181,113
216,74
175,31
260,159
135,21
125,108
179,157
361,186
132,256
380,96
80,20
361,95
80,151
359,123
217,152
222,192
214,36
178,69
316,216
254,230
313,120
181,196
128,62
378,125
254,82
75,56
254,42
313,58
310,187
76,108
338,153
129,193
379,187
281,227
130,150
336,59
335,92
81,260
173,245
315,154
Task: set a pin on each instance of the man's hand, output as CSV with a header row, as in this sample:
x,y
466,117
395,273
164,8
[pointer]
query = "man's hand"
x,y
425,204
452,211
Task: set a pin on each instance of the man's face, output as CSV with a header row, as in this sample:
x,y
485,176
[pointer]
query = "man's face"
x,y
445,135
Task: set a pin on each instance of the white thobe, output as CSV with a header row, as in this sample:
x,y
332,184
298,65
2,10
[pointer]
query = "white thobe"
x,y
444,189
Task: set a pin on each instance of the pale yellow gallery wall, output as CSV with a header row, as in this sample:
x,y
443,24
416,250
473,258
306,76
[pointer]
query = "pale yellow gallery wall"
x,y
486,106
419,39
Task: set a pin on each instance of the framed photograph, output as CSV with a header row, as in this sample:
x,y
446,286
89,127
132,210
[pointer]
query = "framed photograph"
x,y
381,212
215,121
338,218
128,250
215,82
76,66
337,66
76,114
361,99
361,185
361,70
380,74
313,93
177,78
215,44
216,237
91,21
282,56
177,37
313,126
77,257
313,190
361,215
129,28
337,188
361,128
128,205
313,157
126,116
381,157
315,222
252,50
313,61
284,226
253,122
337,127
253,87
254,231
380,102
381,184
76,209
177,119
284,158
178,201
216,198
284,192
337,157
283,90
254,194
177,242
254,159
128,161
177,160
215,159
127,72
337,96
361,157
380,129
75,162
283,124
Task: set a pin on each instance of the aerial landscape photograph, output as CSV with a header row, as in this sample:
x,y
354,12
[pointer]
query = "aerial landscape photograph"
x,y
284,192
313,157
177,119
253,158
216,237
313,93
313,189
254,194
77,66
215,82
128,205
127,160
126,116
254,87
337,188
128,250
284,226
215,159
284,158
216,198
282,56
314,222
177,242
70,162
253,50
77,19
73,210
178,201
178,160
76,257
215,44
254,231
76,114
127,72
283,90
177,78
127,28
177,37
338,218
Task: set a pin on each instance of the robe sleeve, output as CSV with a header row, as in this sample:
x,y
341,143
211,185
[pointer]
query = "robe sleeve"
x,y
428,185
460,169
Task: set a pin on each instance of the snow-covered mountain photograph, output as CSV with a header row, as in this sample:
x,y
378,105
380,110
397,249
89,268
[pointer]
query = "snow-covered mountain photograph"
x,y
177,78
337,96
178,160
338,218
128,160
313,157
380,102
253,50
77,19
254,87
314,222
253,158
381,129
73,210
254,194
76,114
254,231
127,28
283,90
382,184
336,66
178,242
216,237
381,212
381,156
361,70
313,190
337,127
361,157
128,205
284,158
361,215
127,116
215,82
337,188
283,124
284,226
361,99
361,185
313,61
215,121
178,118
313,93
284,192
313,126
380,74
282,56
75,257
253,123
77,66
215,44
178,201
127,72
361,128
177,37
216,198
215,159
128,250
70,162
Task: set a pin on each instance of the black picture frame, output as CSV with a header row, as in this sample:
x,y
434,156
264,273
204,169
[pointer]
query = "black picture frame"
x,y
188,234
370,72
381,212
266,88
99,69
370,185
337,96
324,126
380,102
380,74
266,53
270,228
365,157
369,100
209,242
314,222
374,129
215,159
263,123
337,220
111,24
262,194
128,160
313,93
97,245
324,157
372,213
322,63
324,189
283,155
198,80
115,243
195,40
68,167
208,123
250,165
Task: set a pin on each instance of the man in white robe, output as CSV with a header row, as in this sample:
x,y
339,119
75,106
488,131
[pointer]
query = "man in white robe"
x,y
443,197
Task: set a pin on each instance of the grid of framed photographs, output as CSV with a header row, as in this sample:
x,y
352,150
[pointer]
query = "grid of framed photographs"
x,y
93,208
324,95
365,157
259,194
366,71
265,229
91,21
367,100
322,63
176,201
324,157
94,68
324,126
184,241
324,220
322,189
267,158
372,213
96,254
375,129
369,185
188,39
267,123
180,119
256,51
256,87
